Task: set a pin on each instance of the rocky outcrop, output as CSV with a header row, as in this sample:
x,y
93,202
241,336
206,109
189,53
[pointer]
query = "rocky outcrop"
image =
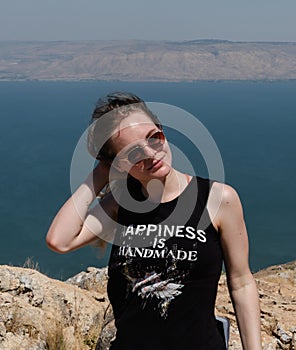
x,y
37,312
277,292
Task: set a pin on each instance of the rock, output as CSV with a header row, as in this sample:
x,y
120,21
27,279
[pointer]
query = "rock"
x,y
38,312
93,279
284,336
108,332
276,287
41,313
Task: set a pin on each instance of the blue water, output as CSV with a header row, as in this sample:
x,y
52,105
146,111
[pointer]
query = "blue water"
x,y
252,123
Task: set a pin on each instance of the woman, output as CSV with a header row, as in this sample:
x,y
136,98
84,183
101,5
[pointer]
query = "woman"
x,y
170,230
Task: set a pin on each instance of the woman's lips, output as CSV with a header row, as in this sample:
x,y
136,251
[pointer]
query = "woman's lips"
x,y
156,165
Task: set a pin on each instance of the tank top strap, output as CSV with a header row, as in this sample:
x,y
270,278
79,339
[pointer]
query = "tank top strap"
x,y
200,214
203,186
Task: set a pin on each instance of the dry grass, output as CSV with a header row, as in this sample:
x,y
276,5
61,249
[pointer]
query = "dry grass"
x,y
55,337
61,330
31,264
71,337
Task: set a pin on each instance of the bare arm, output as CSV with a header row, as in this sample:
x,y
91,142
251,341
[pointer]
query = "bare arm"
x,y
75,225
241,284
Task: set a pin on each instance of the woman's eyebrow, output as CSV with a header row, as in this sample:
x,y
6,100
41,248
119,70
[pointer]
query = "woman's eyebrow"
x,y
151,132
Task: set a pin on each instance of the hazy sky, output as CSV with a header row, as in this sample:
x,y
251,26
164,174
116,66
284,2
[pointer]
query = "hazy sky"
x,y
249,20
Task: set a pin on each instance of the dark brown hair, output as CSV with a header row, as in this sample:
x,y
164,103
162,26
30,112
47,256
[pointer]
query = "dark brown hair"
x,y
115,106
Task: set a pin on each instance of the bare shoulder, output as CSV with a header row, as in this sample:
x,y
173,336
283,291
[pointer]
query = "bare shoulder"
x,y
223,200
223,194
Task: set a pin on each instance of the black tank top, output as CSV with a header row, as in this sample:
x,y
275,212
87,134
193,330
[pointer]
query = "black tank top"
x,y
164,269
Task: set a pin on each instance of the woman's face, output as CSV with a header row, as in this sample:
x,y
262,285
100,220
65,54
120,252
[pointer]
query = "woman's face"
x,y
141,149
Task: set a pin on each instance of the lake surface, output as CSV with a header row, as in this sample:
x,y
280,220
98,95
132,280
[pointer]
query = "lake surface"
x,y
252,123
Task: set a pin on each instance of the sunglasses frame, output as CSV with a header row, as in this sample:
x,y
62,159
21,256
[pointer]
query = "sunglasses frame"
x,y
159,146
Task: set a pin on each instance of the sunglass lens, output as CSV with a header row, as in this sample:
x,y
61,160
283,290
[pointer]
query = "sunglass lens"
x,y
156,141
135,156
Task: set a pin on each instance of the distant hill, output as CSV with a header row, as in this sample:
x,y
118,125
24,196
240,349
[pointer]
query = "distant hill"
x,y
147,60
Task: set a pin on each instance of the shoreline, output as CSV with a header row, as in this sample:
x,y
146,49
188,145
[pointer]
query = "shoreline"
x,y
179,81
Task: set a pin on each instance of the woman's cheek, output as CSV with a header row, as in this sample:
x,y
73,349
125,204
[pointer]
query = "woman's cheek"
x,y
168,156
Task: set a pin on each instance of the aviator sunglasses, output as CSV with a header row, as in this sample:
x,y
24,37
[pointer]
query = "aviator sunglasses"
x,y
136,155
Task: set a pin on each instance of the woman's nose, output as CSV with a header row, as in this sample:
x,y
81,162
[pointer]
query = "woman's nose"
x,y
149,152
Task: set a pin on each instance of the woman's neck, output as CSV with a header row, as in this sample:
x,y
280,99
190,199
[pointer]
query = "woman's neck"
x,y
166,189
